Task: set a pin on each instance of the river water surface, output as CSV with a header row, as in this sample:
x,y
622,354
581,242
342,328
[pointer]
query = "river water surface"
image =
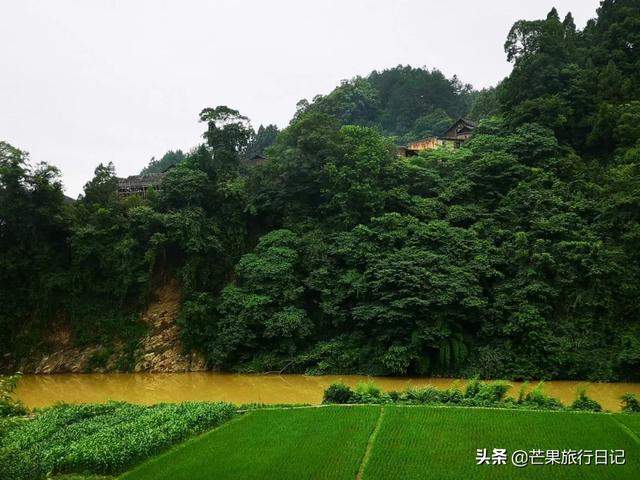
x,y
149,388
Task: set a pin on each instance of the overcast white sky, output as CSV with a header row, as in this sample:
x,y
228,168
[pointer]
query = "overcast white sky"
x,y
84,82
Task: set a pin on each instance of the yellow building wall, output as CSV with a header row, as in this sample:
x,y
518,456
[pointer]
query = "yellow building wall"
x,y
426,144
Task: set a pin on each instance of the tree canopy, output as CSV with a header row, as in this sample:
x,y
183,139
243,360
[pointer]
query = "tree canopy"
x,y
516,255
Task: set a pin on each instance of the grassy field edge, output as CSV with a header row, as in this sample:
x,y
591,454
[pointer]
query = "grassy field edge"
x,y
185,444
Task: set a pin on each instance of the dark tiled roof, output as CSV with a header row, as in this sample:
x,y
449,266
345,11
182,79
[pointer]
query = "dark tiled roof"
x,y
141,180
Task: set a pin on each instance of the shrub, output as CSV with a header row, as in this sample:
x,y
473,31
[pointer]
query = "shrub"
x,y
338,393
8,405
492,392
368,392
522,393
472,388
106,438
368,388
394,396
630,403
583,402
452,395
478,393
536,398
98,359
425,395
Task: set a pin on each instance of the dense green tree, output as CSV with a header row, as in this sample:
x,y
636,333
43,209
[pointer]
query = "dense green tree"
x,y
103,187
109,269
413,291
397,101
261,313
33,246
573,81
226,136
261,140
168,160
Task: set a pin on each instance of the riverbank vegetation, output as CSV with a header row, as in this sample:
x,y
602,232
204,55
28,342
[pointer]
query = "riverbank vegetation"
x,y
9,405
630,403
515,256
475,394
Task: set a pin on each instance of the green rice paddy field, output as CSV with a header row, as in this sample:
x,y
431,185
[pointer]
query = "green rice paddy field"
x,y
396,442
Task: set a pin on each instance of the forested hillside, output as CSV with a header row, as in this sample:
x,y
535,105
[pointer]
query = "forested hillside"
x,y
403,102
517,255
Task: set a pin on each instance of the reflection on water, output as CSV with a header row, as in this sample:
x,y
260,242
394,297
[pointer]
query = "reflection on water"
x,y
149,388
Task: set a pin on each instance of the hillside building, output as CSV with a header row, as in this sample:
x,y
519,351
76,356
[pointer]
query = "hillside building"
x,y
456,135
140,184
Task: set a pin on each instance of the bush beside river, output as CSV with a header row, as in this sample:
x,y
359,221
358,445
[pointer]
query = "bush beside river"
x,y
476,393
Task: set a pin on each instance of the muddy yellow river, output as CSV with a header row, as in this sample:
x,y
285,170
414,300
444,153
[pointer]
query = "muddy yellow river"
x,y
149,388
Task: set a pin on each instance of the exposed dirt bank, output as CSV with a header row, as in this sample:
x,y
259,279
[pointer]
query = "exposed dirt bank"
x,y
159,350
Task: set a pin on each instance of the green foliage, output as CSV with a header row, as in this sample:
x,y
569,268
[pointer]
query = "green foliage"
x,y
33,246
168,160
472,388
90,266
195,319
337,393
9,423
630,403
397,101
261,140
433,124
81,477
574,81
227,135
522,392
493,392
99,359
426,395
100,438
367,392
263,311
537,398
476,394
485,104
8,405
583,402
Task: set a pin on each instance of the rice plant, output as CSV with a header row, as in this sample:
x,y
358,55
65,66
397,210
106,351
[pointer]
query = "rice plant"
x,y
325,443
440,443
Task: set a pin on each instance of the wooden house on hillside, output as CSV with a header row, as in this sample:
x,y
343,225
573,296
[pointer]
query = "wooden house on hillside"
x,y
455,135
139,184
425,144
461,130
